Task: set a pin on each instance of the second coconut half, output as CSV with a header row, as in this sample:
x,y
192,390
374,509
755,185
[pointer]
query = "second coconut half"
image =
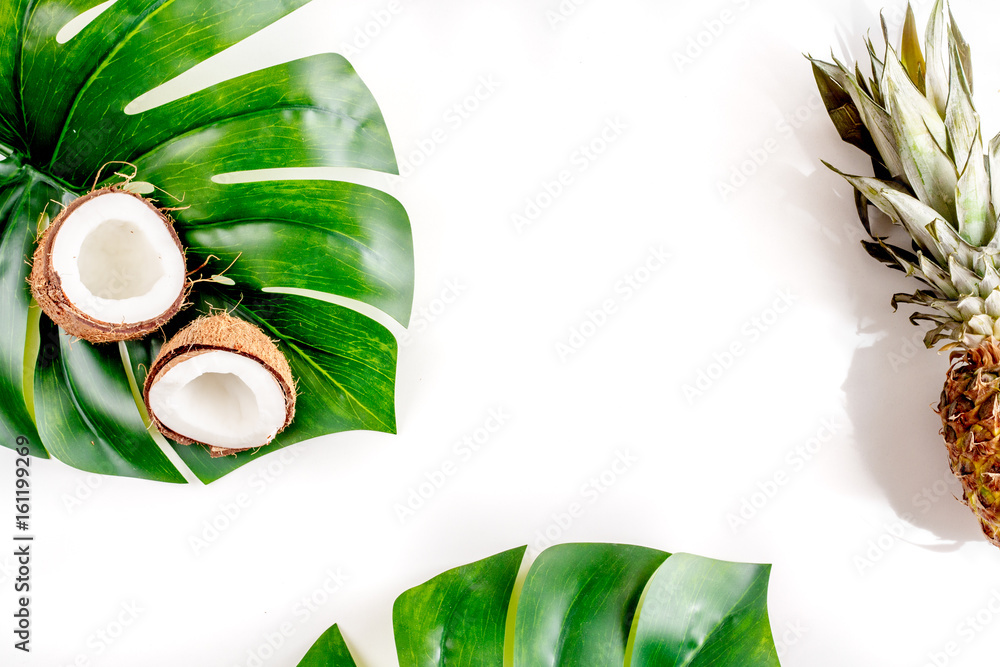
x,y
221,382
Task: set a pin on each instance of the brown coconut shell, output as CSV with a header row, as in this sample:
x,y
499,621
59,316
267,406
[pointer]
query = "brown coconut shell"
x,y
46,285
229,334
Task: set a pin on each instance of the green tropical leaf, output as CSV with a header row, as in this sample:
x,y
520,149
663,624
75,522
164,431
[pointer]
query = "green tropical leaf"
x,y
87,414
298,128
584,604
70,90
730,628
458,618
72,103
330,650
293,113
578,603
19,196
12,17
319,235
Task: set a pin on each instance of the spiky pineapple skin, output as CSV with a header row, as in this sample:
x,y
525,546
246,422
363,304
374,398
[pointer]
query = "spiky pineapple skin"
x,y
970,417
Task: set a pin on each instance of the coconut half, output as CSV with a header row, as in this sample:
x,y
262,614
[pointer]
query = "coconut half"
x,y
110,267
220,382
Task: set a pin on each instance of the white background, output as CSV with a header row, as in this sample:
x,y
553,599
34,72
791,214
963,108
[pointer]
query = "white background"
x,y
875,563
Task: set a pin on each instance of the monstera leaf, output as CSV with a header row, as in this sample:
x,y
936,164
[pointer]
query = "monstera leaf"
x,y
581,604
68,107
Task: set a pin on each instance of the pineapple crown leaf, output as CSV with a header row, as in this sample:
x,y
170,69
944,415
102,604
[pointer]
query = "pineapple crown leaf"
x,y
842,111
917,122
909,51
972,195
878,250
876,62
938,277
894,257
872,115
919,219
936,40
993,169
964,51
941,332
964,280
922,139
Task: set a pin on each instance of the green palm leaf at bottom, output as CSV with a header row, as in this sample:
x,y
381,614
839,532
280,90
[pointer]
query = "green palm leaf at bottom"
x,y
581,604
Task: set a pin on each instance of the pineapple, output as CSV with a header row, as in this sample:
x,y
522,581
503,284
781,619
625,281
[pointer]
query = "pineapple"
x,y
915,118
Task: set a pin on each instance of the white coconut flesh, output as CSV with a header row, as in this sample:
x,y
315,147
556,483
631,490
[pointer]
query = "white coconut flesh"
x,y
117,261
221,399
